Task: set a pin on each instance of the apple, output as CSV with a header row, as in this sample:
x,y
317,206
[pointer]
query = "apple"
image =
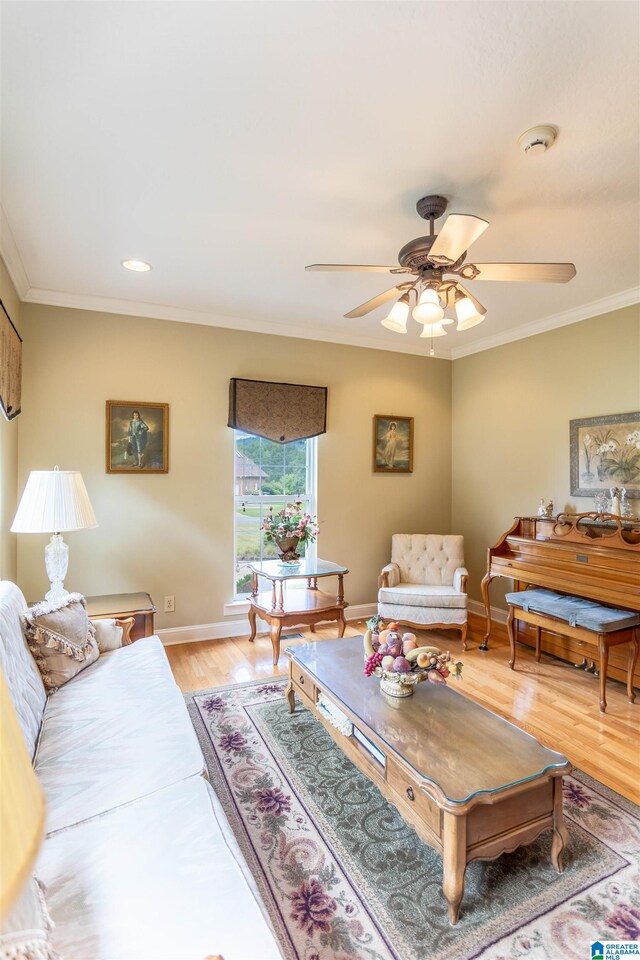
x,y
423,660
408,645
387,663
384,635
409,636
395,649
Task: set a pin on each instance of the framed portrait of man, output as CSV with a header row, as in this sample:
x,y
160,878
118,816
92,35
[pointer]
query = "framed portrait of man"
x,y
137,437
392,444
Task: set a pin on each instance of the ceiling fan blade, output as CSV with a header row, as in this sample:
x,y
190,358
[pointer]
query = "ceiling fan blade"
x,y
366,268
374,302
475,302
459,232
525,272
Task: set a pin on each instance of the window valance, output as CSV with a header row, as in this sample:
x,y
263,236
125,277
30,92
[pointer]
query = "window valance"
x,y
282,412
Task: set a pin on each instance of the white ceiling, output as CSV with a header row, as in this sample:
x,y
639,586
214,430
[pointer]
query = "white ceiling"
x,y
231,143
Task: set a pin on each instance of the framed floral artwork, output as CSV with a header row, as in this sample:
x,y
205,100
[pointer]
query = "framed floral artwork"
x,y
137,437
392,444
605,452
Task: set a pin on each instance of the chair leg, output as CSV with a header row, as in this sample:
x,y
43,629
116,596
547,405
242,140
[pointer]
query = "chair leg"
x,y
633,659
512,640
463,633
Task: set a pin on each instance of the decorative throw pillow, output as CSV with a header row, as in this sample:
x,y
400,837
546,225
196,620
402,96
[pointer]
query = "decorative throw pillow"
x,y
61,638
26,930
108,634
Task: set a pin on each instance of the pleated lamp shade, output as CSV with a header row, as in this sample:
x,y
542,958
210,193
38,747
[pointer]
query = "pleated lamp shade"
x,y
54,501
21,806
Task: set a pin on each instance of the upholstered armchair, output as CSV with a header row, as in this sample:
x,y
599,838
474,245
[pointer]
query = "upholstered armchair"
x,y
425,585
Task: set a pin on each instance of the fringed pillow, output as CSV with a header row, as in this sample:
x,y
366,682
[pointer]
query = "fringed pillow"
x,y
61,638
25,933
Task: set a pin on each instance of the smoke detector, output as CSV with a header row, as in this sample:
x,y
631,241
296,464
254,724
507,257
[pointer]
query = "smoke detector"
x,y
537,140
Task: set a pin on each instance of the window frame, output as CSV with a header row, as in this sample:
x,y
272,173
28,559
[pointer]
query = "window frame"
x,y
310,498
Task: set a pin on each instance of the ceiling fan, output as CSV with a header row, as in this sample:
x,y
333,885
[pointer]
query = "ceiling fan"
x,y
436,265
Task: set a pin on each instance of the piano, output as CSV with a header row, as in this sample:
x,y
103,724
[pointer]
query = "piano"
x,y
592,555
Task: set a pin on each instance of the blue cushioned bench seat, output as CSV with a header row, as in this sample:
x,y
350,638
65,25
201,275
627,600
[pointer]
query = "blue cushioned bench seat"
x,y
581,619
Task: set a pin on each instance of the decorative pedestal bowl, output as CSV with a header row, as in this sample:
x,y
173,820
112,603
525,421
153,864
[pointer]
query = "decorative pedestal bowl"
x,y
399,684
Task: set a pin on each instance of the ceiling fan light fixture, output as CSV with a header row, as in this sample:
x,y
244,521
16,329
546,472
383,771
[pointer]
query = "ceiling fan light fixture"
x,y
429,309
433,330
396,319
467,313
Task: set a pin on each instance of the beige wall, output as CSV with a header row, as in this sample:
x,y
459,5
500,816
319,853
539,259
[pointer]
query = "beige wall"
x,y
172,534
511,411
8,450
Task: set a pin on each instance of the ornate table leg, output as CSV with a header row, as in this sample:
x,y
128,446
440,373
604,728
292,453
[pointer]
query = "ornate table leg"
x,y
282,594
312,627
342,624
273,596
560,833
340,597
289,691
276,627
512,639
484,586
252,622
254,584
454,857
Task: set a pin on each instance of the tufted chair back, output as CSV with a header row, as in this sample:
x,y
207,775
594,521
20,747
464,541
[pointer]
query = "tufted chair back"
x,y
427,558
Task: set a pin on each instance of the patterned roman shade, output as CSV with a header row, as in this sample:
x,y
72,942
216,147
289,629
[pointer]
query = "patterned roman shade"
x,y
282,412
10,366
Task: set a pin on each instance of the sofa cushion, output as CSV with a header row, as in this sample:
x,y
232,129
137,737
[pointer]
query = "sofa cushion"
x,y
426,617
158,879
108,634
18,666
576,611
116,732
61,638
423,595
427,558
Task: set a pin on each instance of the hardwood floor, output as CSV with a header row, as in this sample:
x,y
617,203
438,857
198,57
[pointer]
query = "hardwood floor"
x,y
552,700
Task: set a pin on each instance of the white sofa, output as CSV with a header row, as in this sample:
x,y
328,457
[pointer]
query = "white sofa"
x,y
138,860
425,584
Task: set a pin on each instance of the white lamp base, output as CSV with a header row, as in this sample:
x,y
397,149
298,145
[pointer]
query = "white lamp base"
x,y
56,560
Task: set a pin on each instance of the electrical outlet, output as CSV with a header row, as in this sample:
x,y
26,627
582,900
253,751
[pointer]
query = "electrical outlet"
x,y
169,604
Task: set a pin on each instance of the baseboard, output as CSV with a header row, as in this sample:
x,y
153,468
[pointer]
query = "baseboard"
x,y
240,628
497,614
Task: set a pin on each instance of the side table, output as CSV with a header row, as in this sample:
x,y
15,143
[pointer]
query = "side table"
x,y
121,606
307,605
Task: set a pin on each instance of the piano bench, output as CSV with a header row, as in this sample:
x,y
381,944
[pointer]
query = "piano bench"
x,y
579,619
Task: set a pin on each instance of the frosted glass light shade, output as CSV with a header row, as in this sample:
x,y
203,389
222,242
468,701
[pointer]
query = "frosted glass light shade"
x,y
467,314
54,501
397,317
433,330
21,806
429,309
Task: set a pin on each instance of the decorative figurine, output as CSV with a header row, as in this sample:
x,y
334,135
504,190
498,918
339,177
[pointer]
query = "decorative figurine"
x,y
602,501
614,493
545,509
625,504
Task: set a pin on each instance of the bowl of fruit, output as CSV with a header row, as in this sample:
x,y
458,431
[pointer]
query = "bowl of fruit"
x,y
401,662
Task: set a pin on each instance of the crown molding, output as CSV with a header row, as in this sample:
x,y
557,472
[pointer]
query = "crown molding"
x,y
11,257
133,308
626,298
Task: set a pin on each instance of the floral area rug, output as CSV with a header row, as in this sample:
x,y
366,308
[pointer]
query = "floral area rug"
x,y
344,878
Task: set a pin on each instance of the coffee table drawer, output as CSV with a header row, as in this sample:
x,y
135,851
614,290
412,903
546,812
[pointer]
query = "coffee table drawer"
x,y
304,683
411,798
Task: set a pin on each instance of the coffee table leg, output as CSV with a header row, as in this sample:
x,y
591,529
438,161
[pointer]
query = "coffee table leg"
x,y
289,691
275,640
560,833
454,859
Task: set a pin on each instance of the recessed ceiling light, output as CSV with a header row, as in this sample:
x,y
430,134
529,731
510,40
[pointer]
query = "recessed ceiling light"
x,y
140,266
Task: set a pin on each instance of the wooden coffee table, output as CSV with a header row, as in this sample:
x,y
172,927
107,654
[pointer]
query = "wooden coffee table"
x,y
302,605
471,784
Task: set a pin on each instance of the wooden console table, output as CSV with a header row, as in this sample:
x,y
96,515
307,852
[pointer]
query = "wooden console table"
x,y
307,605
121,606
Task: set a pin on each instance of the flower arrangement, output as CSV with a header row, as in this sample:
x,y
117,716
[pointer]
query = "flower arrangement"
x,y
290,523
400,662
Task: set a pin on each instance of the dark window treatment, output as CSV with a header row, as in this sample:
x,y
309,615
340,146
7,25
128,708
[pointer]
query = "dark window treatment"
x,y
281,412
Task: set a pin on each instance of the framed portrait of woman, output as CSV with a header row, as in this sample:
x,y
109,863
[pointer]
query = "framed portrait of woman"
x,y
137,437
392,444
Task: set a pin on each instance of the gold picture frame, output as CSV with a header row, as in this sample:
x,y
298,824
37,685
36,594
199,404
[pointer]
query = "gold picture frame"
x,y
137,437
392,444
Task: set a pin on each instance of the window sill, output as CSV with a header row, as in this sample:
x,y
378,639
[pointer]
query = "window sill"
x,y
235,608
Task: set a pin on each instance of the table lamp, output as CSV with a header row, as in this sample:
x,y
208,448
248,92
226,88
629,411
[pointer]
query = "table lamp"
x,y
21,806
54,501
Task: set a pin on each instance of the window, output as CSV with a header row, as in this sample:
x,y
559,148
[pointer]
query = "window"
x,y
267,476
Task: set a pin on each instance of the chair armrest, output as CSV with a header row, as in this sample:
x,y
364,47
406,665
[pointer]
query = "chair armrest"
x,y
460,577
389,575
